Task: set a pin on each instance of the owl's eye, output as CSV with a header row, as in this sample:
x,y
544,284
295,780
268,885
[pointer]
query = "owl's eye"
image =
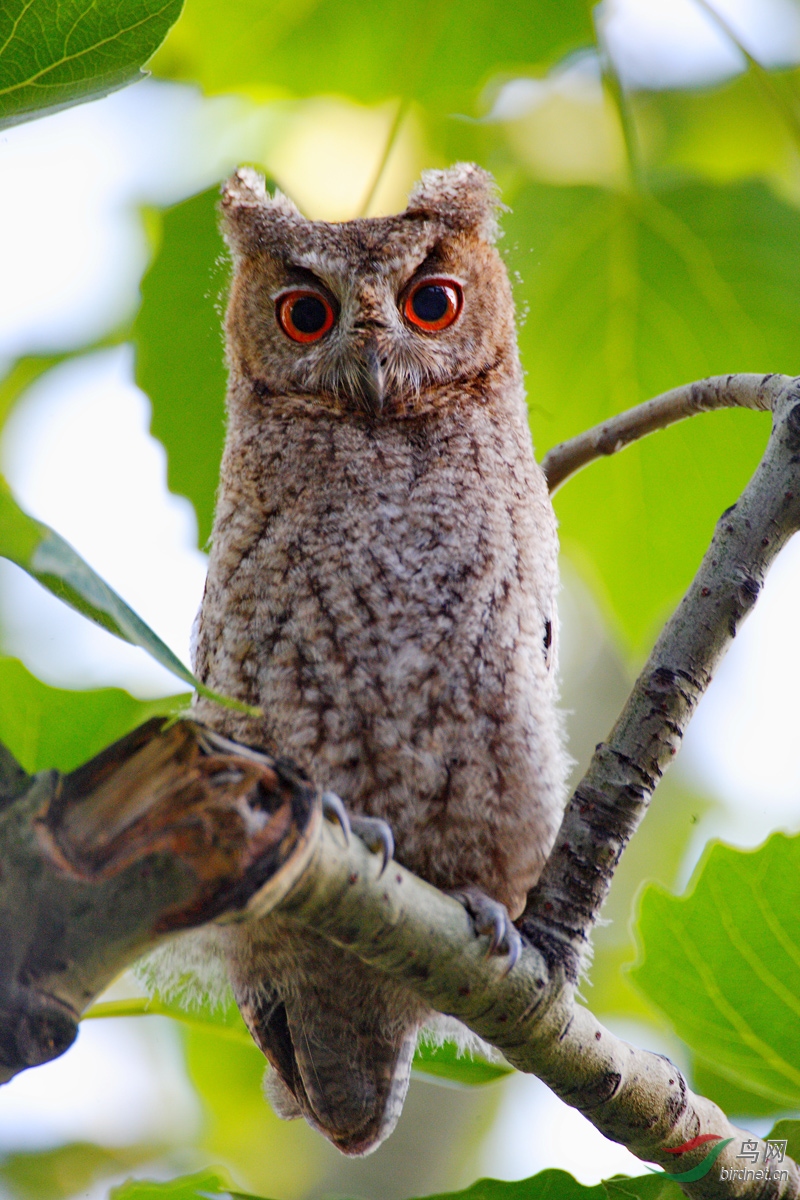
x,y
304,315
433,304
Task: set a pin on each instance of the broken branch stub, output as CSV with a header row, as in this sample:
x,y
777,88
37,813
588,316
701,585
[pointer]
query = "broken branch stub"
x,y
169,828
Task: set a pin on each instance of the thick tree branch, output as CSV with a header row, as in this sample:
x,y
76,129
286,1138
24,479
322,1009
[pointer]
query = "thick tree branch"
x,y
175,827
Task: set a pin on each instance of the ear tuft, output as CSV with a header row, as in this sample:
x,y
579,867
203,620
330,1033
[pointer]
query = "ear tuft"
x,y
463,197
249,212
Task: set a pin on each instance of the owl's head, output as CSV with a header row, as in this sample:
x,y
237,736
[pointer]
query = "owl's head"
x,y
387,316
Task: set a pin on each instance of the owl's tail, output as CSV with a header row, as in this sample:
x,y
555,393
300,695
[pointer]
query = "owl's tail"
x,y
341,1063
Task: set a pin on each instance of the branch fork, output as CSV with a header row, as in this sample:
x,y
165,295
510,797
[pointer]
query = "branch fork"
x,y
174,826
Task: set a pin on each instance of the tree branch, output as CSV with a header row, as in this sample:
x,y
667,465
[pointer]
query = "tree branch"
x,y
174,827
166,829
721,391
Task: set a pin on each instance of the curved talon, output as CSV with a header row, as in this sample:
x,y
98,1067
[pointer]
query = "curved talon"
x,y
377,837
490,917
498,937
514,949
334,810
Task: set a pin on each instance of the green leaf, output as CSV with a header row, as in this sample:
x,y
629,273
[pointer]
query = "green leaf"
x,y
643,1187
723,133
790,1131
629,296
44,555
439,1062
54,53
67,1171
558,1185
203,1185
446,1062
46,727
655,855
369,49
270,1155
179,349
723,963
547,1185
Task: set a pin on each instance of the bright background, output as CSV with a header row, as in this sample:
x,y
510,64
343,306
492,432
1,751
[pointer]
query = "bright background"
x,y
78,453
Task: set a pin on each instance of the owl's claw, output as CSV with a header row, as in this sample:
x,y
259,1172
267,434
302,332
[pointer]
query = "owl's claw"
x,y
377,837
491,917
333,810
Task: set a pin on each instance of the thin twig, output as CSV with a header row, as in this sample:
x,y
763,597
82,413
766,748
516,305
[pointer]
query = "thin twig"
x,y
391,139
720,391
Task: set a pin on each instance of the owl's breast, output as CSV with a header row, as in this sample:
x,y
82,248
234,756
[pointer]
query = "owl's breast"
x,y
387,601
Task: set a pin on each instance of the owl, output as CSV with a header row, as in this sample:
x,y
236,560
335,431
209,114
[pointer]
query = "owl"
x,y
382,584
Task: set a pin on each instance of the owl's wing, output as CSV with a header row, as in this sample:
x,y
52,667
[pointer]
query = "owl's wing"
x,y
337,1064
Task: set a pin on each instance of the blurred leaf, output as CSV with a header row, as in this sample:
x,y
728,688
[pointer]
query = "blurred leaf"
x,y
45,556
22,374
47,727
723,963
790,1130
271,1156
224,1023
734,1098
447,1062
203,1185
54,53
179,350
629,296
438,1062
723,134
655,855
369,49
67,1170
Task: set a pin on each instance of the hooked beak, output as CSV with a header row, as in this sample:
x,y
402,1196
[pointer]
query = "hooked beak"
x,y
371,379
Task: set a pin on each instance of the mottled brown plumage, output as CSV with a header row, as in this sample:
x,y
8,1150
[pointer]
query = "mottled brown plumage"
x,y
382,583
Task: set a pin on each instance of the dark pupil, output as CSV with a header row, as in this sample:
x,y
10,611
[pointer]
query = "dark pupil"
x,y
430,303
308,314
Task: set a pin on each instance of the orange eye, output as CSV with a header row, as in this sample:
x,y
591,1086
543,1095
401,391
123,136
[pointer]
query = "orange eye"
x,y
304,315
433,304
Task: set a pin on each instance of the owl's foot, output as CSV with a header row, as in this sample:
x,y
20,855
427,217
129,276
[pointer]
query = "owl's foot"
x,y
374,833
491,917
376,836
333,810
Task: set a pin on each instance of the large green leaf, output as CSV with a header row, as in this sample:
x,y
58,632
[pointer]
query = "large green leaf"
x,y
431,50
723,963
54,53
46,727
631,295
51,561
179,350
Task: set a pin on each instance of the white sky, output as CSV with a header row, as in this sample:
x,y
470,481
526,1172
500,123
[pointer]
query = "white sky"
x,y
79,456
